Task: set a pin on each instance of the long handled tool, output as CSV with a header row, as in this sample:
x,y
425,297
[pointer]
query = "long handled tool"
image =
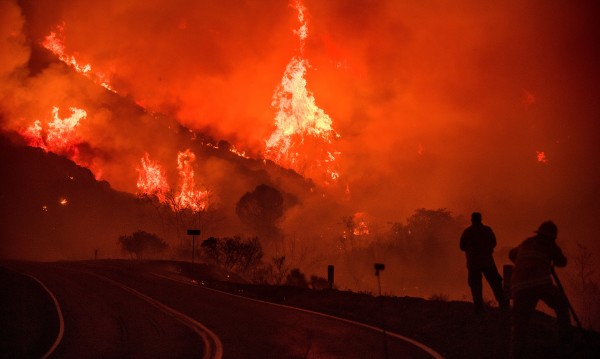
x,y
562,289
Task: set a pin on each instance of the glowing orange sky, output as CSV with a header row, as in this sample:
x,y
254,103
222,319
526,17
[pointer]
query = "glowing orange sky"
x,y
437,104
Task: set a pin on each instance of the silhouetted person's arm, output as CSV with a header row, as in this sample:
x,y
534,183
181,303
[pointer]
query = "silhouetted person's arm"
x,y
512,255
465,241
558,258
492,238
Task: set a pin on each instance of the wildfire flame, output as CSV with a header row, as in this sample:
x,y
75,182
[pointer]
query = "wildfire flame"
x,y
360,224
299,122
188,196
151,179
60,136
153,182
54,42
303,138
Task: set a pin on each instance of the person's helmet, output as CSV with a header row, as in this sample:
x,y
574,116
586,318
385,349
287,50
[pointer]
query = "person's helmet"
x,y
476,217
548,229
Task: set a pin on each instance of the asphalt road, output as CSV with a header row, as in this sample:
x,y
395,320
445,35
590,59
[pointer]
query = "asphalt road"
x,y
113,310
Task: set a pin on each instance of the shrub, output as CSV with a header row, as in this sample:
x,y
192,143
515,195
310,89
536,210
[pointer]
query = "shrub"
x,y
233,253
141,242
296,279
318,283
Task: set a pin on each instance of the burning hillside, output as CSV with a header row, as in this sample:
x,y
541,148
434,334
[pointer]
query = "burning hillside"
x,y
356,113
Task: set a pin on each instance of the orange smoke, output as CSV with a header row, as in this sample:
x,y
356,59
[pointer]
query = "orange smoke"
x,y
432,105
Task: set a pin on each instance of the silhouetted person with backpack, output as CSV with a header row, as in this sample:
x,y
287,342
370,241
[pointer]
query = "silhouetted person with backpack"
x,y
531,282
478,242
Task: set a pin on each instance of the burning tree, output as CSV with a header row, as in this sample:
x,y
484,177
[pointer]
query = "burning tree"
x,y
178,209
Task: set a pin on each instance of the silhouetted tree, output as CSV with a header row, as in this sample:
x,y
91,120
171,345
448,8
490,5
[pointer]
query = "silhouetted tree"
x,y
279,269
318,283
211,251
428,242
296,278
586,285
233,253
271,273
261,209
140,242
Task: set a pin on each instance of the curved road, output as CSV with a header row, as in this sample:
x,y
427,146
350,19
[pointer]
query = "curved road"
x,y
109,313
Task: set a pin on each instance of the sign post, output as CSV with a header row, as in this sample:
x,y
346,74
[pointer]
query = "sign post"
x,y
193,233
330,275
378,268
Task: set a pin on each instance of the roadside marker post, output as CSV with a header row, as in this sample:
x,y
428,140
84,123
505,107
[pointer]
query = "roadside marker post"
x,y
378,268
330,275
193,233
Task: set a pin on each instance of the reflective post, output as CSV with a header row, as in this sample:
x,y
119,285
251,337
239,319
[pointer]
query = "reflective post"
x,y
193,233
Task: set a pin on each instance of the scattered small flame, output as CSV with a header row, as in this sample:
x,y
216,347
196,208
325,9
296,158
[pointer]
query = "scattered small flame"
x,y
541,157
360,224
528,98
234,150
63,202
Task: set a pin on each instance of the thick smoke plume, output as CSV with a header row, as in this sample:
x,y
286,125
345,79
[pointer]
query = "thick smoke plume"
x,y
470,106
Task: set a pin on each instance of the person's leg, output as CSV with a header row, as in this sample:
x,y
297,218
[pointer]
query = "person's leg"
x,y
524,302
495,280
556,300
476,288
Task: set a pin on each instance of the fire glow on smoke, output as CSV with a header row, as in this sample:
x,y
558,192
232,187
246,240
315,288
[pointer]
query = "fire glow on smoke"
x,y
54,42
422,101
303,139
299,121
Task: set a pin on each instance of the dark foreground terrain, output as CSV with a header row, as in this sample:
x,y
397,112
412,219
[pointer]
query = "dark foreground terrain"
x,y
449,327
29,324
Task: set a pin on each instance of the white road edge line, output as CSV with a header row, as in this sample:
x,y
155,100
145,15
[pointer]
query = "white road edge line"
x,y
61,320
213,348
420,345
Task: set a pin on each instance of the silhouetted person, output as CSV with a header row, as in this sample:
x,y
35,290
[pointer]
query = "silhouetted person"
x,y
478,241
531,282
